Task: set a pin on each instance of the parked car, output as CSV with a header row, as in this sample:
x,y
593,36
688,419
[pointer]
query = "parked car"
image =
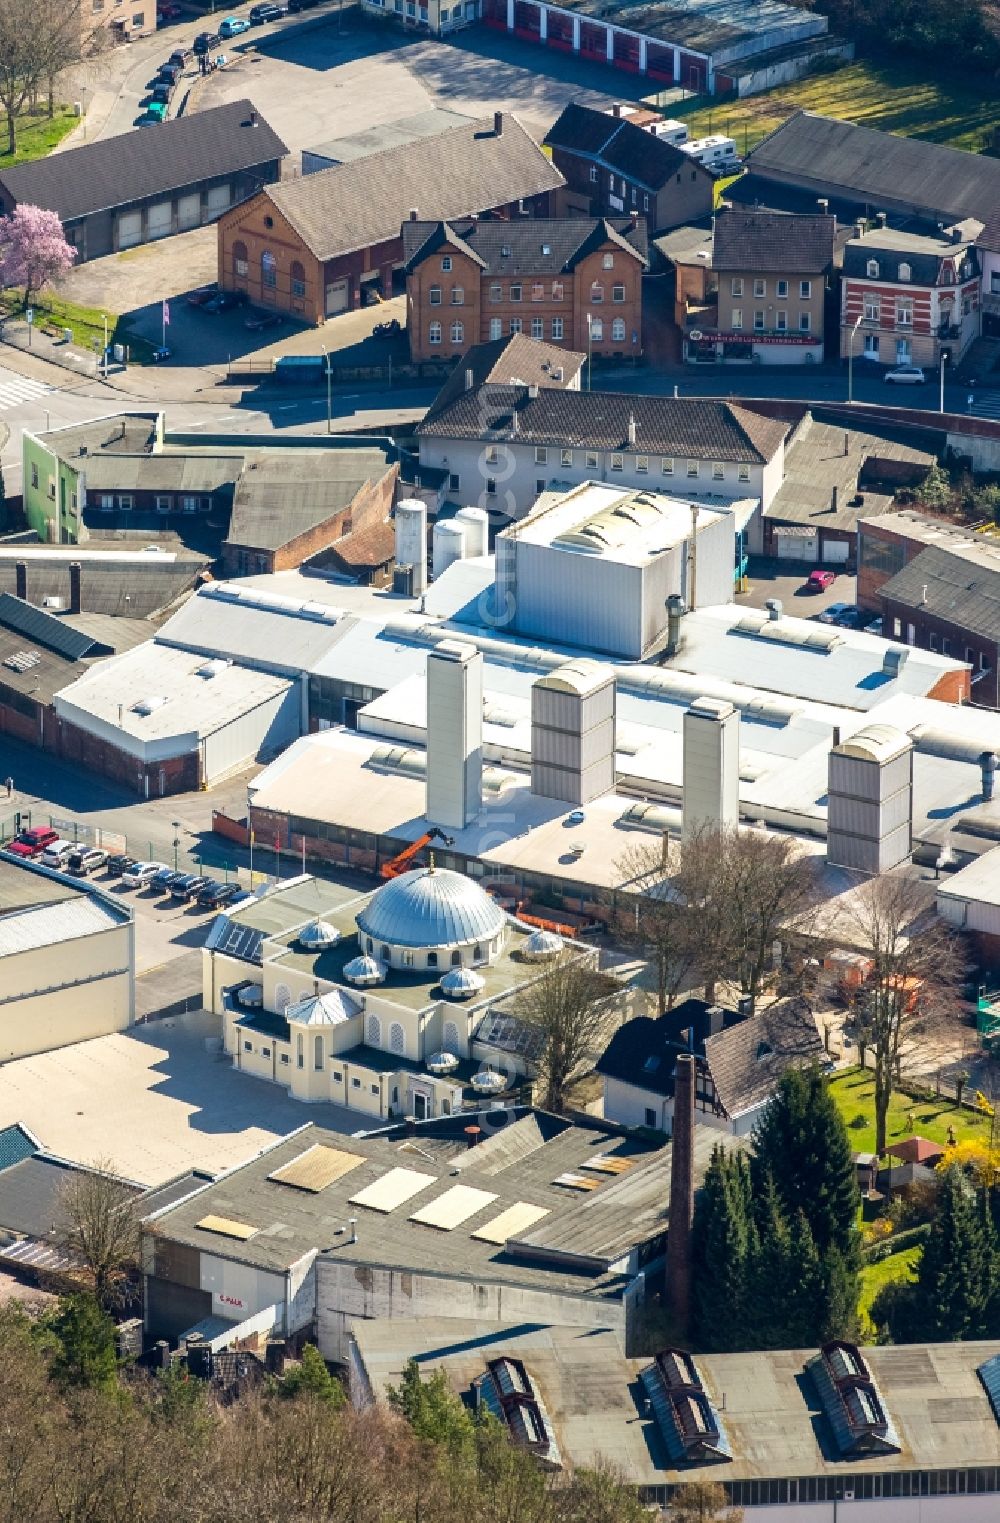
x,y
905,375
169,74
875,627
56,852
118,862
161,95
188,886
301,5
163,881
225,893
180,57
167,11
141,874
201,296
851,618
223,301
160,354
233,26
208,895
834,613
31,843
83,862
259,320
819,581
205,42
156,112
259,14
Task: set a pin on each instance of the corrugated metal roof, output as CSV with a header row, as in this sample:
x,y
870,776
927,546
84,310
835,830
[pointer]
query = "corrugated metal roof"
x,y
51,924
244,624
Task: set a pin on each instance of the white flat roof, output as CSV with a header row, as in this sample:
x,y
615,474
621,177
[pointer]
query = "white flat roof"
x,y
979,882
50,925
626,525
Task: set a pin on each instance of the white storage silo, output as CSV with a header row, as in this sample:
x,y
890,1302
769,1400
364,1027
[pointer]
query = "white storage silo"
x,y
449,545
870,800
477,530
411,540
573,732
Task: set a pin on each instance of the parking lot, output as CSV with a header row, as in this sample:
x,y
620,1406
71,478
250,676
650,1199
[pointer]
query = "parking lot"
x,y
787,583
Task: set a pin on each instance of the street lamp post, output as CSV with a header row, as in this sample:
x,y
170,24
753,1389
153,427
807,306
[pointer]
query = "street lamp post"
x,y
177,825
590,345
850,358
250,837
945,355
104,318
329,395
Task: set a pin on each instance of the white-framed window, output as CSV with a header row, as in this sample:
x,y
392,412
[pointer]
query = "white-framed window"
x,y
565,457
608,260
537,290
593,174
781,321
163,504
541,455
318,1053
597,293
871,269
515,291
693,468
434,333
781,289
557,327
666,466
538,327
457,332
618,293
106,502
592,460
736,320
617,462
904,311
618,330
871,346
458,296
759,287
805,290
496,327
743,473
597,329
434,296
642,464
491,486
496,293
557,290
718,471
516,325
125,502
268,269
446,264
805,322
873,308
645,201
736,286
905,272
758,321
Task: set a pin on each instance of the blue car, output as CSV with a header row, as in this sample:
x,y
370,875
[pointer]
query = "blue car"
x,y
232,26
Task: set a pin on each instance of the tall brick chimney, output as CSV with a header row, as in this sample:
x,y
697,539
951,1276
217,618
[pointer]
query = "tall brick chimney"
x,y
678,1287
21,579
75,587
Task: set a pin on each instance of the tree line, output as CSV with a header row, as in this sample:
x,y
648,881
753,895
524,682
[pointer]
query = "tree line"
x,y
931,29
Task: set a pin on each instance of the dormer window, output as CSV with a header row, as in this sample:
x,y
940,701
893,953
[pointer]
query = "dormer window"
x,y
546,248
446,263
905,273
505,251
872,269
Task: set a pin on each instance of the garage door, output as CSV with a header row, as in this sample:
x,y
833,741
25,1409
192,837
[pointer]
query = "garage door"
x,y
129,229
797,544
336,298
835,551
161,220
189,210
219,197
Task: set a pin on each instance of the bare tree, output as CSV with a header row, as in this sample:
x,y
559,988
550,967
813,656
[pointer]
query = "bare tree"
x,y
703,1502
655,918
98,1223
914,984
569,1005
38,39
746,890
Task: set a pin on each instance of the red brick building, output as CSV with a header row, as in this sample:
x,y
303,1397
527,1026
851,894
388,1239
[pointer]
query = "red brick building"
x,y
570,281
909,298
326,242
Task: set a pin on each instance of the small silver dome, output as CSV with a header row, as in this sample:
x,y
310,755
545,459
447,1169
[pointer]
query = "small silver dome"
x,y
462,983
431,907
542,944
365,970
329,1009
317,935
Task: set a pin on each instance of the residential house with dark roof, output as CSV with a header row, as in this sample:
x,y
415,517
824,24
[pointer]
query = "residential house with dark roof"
x,y
614,168
740,1061
326,242
122,191
524,437
947,599
569,280
517,360
910,298
772,273
988,248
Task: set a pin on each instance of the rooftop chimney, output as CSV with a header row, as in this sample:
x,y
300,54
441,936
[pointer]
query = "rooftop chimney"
x,y
469,379
923,594
957,235
881,219
253,116
617,109
834,499
473,1134
75,587
353,1223
498,123
413,213
823,204
859,229
675,614
681,1211
774,608
988,763
21,579
631,428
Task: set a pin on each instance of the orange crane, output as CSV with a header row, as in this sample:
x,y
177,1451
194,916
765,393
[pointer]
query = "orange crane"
x,y
404,860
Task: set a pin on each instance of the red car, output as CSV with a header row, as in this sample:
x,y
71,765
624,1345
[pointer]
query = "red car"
x,y
31,843
166,11
819,581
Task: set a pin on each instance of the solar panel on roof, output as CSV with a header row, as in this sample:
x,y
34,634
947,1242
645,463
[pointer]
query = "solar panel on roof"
x,y
989,1374
393,1189
240,941
509,1034
225,1227
510,1223
44,628
571,1181
454,1207
316,1168
603,1163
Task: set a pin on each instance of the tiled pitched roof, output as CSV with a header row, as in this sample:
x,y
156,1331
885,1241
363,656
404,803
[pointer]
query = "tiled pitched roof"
x,y
532,246
958,589
137,165
924,256
620,145
368,547
747,1061
468,169
880,168
767,241
528,361
692,427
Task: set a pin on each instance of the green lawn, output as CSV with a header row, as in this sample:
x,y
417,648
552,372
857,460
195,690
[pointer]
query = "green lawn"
x,y
896,1266
36,135
86,323
895,96
854,1093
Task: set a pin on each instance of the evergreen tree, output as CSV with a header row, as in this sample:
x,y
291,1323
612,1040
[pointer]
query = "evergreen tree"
x,y
84,1343
431,1407
723,1241
311,1377
953,1279
802,1143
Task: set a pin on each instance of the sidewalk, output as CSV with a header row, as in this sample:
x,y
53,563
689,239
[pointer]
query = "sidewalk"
x,y
55,351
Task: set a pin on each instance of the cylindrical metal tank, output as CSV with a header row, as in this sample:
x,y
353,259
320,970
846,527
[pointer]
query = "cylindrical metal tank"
x,y
449,545
411,540
477,530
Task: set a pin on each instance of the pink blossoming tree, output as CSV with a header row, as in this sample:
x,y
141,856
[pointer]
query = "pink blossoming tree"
x,y
33,249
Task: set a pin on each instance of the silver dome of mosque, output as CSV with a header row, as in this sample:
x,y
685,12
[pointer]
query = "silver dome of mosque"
x,y
431,907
